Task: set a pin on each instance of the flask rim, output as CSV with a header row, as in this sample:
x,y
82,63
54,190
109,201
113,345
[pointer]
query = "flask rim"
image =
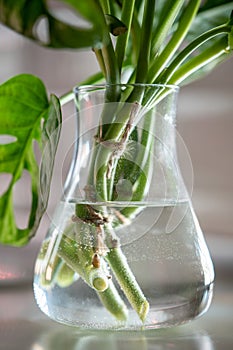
x,y
91,87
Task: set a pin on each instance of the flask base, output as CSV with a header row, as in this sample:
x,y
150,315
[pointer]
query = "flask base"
x,y
165,312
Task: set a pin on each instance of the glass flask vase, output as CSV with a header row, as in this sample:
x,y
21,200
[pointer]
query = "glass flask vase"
x,y
124,249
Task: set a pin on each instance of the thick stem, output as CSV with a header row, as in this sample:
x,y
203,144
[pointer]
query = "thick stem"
x,y
79,258
127,281
109,296
112,301
108,245
112,73
122,40
145,41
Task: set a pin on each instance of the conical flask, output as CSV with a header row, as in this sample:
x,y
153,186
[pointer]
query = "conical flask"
x,y
124,249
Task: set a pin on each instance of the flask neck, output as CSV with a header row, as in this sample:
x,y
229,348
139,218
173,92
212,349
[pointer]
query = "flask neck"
x,y
120,143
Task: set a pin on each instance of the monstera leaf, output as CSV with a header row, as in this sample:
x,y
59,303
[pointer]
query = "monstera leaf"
x,y
24,16
26,116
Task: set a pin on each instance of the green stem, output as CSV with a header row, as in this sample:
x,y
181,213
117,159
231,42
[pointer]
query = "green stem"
x,y
100,60
167,19
68,96
114,134
159,63
93,79
141,172
105,6
109,296
145,41
127,281
122,40
224,29
113,255
104,154
65,276
112,301
136,33
142,65
112,73
217,50
176,72
79,258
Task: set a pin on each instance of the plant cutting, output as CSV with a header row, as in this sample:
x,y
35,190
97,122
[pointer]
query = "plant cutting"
x,y
111,228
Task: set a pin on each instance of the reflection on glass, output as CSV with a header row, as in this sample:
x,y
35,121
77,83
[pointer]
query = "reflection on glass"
x,y
177,339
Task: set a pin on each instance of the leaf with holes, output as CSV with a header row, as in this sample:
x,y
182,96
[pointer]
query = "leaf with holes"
x,y
24,16
29,116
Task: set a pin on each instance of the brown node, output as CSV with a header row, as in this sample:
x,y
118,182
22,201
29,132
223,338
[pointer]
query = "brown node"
x,y
96,260
95,217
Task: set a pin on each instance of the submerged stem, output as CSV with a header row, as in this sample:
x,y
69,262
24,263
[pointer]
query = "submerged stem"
x,y
127,281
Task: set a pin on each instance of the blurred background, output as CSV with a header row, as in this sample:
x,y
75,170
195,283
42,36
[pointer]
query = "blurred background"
x,y
204,121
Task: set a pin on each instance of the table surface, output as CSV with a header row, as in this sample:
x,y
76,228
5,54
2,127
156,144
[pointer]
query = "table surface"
x,y
24,327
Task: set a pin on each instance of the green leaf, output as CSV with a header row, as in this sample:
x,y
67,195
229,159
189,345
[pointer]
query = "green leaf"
x,y
212,14
28,116
208,4
23,16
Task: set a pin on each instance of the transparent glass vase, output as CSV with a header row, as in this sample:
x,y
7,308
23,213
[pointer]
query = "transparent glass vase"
x,y
124,249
